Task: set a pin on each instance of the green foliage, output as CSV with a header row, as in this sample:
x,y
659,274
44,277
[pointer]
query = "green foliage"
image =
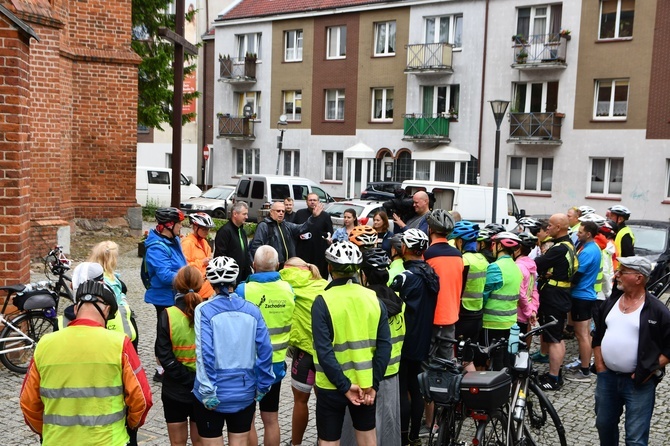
x,y
149,211
156,79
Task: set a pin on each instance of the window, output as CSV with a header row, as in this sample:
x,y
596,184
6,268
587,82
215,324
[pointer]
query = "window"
x,y
445,29
248,161
440,99
292,163
158,177
536,24
293,105
334,105
531,174
337,42
535,97
445,171
611,99
333,162
606,175
293,46
616,18
248,44
382,104
385,38
251,98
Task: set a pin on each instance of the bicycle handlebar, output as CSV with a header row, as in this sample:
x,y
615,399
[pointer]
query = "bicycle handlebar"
x,y
484,349
539,329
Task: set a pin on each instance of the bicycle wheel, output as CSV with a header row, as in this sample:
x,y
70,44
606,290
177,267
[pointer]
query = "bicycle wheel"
x,y
34,325
448,427
542,426
494,430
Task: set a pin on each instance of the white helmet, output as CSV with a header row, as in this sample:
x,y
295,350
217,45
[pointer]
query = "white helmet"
x,y
344,253
222,270
586,210
415,239
620,210
599,220
201,219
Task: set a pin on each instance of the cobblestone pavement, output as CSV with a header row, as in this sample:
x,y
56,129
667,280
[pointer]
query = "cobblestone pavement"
x,y
574,402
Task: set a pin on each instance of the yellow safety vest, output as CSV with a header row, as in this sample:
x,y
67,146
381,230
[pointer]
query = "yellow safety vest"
x,y
617,243
397,326
473,294
355,313
182,336
276,302
121,322
500,311
81,387
573,266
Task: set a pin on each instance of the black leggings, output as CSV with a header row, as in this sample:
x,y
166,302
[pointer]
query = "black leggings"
x,y
411,402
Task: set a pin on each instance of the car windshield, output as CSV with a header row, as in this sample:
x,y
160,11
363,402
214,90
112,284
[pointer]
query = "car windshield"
x,y
337,209
651,240
218,193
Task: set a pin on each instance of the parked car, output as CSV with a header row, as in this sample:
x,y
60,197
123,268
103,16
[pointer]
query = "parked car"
x,y
652,240
154,185
365,211
380,190
217,202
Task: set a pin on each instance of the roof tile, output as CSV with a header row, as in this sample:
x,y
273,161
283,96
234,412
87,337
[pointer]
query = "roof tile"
x,y
260,8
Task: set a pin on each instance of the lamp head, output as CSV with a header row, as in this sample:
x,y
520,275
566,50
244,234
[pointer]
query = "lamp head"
x,y
499,107
282,120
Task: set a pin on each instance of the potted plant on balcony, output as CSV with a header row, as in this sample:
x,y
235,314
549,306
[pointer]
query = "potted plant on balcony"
x,y
522,56
565,33
453,114
226,66
250,65
519,39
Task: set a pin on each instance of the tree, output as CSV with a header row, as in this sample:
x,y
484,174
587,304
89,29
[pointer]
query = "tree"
x,y
156,79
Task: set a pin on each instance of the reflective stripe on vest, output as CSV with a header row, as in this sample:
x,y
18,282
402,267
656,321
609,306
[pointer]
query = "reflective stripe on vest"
x,y
397,326
573,266
82,387
473,294
354,333
121,322
182,337
598,286
617,243
500,311
276,302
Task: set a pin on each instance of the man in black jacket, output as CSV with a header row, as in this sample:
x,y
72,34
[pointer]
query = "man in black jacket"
x,y
231,240
312,244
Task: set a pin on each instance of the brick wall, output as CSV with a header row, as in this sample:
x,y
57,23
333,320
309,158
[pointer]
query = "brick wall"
x,y
658,116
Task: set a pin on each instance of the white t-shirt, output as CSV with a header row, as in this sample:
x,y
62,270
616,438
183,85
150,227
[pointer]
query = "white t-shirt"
x,y
619,345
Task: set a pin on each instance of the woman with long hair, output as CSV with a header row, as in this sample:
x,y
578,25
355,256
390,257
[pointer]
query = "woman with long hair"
x,y
350,221
175,349
380,223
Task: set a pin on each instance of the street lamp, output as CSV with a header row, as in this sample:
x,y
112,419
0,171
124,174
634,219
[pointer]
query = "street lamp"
x,y
280,139
499,108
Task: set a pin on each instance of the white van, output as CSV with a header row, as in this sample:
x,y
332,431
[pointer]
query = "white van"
x,y
256,190
474,203
154,184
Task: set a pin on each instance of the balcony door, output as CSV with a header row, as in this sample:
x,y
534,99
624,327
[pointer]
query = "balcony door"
x,y
439,99
535,97
539,25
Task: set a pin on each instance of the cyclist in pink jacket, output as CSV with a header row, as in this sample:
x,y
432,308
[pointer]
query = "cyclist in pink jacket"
x,y
529,298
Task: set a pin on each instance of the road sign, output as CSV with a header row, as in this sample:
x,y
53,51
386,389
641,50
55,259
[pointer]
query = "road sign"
x,y
205,152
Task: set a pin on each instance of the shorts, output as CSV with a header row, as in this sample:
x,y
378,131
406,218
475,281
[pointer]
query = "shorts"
x,y
270,402
176,411
497,358
553,334
442,349
303,372
210,423
582,309
330,411
469,329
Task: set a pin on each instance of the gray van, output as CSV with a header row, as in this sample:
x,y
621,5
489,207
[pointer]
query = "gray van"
x,y
256,190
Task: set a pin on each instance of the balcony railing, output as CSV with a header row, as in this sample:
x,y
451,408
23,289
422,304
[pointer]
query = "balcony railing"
x,y
535,128
420,127
540,51
429,58
236,127
237,69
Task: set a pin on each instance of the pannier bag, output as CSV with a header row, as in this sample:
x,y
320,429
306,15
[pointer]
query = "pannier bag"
x,y
440,386
35,300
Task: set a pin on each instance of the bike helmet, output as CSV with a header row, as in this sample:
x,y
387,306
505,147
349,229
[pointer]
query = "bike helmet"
x,y
165,216
375,258
201,219
222,270
440,221
495,228
530,223
606,228
586,210
396,242
507,239
485,235
465,230
599,220
363,236
415,239
92,291
343,253
620,210
527,240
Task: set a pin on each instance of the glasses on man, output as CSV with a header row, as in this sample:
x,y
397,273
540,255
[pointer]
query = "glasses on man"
x,y
281,211
620,272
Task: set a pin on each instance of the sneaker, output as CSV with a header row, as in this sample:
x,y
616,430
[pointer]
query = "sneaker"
x,y
539,358
576,363
549,382
158,377
577,375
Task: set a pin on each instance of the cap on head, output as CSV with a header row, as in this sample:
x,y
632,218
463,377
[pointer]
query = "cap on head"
x,y
637,263
86,271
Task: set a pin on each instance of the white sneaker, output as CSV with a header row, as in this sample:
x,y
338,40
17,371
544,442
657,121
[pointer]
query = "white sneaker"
x,y
574,364
578,376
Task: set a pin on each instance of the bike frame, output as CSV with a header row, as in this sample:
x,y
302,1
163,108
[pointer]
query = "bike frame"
x,y
22,337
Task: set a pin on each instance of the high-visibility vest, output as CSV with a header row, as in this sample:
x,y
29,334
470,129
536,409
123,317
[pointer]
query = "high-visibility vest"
x,y
120,324
473,294
276,302
182,336
81,387
617,243
397,326
573,266
355,314
500,311
598,286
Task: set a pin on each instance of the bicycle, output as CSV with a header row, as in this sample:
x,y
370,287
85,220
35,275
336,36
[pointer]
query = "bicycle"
x,y
57,264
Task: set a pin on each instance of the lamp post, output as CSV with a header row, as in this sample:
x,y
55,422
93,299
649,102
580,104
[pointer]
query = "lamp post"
x,y
499,108
280,139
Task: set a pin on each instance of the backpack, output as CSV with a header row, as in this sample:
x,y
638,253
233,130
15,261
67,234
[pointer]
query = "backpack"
x,y
144,270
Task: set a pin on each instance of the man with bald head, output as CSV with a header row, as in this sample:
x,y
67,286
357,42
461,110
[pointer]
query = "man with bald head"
x,y
555,270
421,204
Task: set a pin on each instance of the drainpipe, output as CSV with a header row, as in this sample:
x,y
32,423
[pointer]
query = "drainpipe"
x,y
481,105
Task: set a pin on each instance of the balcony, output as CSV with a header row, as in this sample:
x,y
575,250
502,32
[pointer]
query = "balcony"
x,y
234,127
428,128
429,58
535,128
540,51
237,70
